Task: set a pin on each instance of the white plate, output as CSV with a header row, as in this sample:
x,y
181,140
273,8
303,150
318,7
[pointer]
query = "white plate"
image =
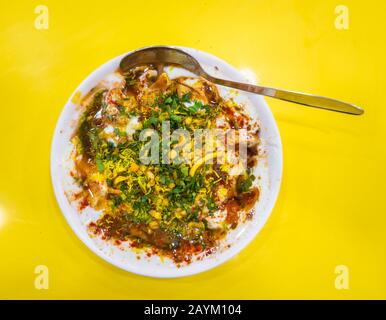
x,y
269,169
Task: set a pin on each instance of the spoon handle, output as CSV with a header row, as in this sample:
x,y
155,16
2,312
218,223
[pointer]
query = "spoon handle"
x,y
296,97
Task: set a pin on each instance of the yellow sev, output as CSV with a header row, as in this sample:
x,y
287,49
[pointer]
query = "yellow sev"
x,y
204,159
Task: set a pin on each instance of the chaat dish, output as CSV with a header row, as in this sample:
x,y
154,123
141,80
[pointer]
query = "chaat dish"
x,y
146,158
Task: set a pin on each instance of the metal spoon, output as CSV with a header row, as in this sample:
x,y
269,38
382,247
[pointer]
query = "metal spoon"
x,y
162,56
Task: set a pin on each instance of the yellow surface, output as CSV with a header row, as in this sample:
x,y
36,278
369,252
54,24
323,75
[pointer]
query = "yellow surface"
x,y
331,209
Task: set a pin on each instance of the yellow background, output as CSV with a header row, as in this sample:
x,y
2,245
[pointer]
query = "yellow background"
x,y
331,208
